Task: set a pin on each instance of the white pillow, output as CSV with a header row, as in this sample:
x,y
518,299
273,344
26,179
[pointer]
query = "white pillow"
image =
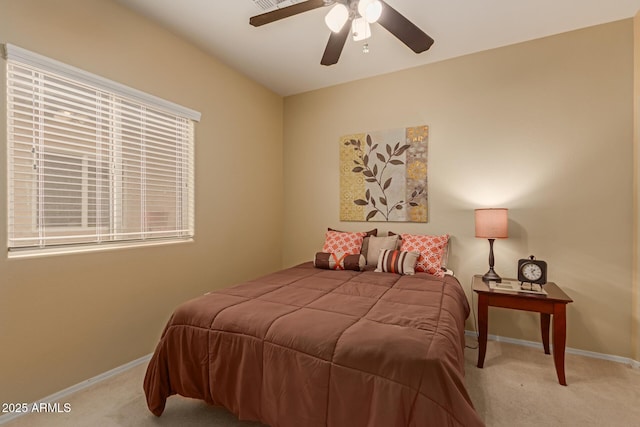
x,y
376,244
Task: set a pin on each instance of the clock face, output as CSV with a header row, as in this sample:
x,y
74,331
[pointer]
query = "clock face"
x,y
531,271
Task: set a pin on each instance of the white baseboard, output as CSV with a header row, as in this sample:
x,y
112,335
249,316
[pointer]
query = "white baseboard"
x,y
569,350
57,397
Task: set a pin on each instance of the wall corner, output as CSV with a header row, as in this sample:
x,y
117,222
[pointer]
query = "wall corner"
x,y
635,327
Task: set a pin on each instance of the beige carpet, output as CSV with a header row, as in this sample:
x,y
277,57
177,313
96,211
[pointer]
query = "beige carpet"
x,y
517,387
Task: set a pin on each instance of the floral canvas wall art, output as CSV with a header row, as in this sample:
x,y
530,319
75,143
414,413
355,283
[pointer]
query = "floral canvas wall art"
x,y
383,175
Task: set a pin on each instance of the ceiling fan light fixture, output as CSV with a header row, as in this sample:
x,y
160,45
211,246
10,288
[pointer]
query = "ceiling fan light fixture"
x,y
370,10
337,17
360,29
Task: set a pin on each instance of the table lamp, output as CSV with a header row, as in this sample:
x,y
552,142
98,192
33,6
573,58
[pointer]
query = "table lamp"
x,y
491,223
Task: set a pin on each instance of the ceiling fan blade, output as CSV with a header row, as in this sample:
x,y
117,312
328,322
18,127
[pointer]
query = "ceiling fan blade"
x,y
285,12
406,31
335,45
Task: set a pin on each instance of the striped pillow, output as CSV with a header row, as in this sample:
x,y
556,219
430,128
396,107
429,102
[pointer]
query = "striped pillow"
x,y
399,262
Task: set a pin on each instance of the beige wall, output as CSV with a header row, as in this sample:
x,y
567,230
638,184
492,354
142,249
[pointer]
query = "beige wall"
x,y
543,128
635,338
67,318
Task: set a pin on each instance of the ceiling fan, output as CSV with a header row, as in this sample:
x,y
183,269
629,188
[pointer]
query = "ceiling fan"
x,y
359,13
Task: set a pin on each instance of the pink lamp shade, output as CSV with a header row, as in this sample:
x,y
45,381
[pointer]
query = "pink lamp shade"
x,y
491,223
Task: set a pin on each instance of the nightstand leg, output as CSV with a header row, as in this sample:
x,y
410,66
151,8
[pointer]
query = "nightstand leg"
x,y
545,322
483,326
559,340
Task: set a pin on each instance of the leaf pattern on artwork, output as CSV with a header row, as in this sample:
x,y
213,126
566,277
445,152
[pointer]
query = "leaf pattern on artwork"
x,y
376,175
387,184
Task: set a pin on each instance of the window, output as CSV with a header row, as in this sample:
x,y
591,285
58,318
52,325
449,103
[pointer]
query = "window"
x,y
92,162
70,192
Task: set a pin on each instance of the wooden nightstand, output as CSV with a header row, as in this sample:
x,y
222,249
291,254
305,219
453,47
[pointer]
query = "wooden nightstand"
x,y
554,303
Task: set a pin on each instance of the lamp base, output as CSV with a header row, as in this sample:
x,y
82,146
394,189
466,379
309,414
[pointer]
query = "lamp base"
x,y
491,276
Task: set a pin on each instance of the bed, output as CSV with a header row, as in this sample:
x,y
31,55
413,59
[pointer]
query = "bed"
x,y
312,347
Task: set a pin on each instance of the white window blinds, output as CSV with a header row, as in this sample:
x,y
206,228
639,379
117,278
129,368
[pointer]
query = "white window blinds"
x,y
92,162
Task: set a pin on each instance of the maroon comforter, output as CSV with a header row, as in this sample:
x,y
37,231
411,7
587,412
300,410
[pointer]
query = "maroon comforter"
x,y
306,347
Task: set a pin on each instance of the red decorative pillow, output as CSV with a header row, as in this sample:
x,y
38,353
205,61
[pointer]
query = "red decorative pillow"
x,y
343,243
365,242
431,250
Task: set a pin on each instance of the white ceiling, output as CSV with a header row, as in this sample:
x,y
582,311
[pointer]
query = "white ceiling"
x,y
285,55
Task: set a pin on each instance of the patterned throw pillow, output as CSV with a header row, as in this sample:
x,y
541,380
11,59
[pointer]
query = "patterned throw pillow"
x,y
344,243
339,261
399,262
365,242
431,249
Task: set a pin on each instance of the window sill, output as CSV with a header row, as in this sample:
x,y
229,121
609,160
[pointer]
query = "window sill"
x,y
37,253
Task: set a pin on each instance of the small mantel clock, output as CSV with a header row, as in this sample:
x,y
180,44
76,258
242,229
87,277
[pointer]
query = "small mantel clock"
x,y
532,270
